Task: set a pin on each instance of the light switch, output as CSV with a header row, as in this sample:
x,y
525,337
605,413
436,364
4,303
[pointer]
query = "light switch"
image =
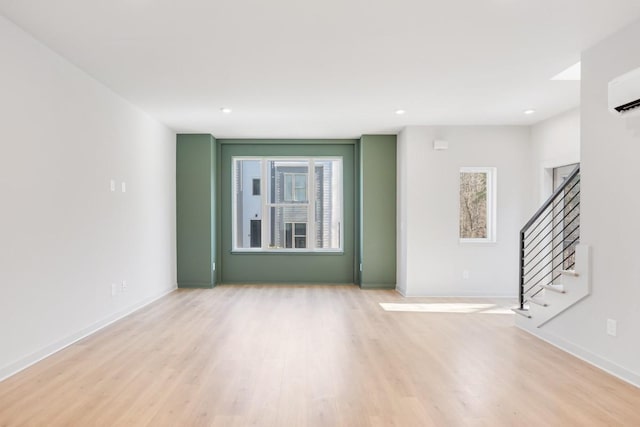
x,y
124,187
113,185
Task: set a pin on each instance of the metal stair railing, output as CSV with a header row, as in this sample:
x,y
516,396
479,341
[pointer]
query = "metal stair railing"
x,y
548,240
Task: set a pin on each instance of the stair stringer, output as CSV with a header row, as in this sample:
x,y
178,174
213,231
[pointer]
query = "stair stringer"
x,y
576,289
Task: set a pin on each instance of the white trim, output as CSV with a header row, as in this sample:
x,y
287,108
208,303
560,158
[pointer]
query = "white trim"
x,y
311,220
492,204
33,358
266,225
286,250
401,291
286,205
586,356
266,206
481,296
546,174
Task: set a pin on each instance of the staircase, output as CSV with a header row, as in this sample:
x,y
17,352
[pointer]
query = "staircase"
x,y
554,266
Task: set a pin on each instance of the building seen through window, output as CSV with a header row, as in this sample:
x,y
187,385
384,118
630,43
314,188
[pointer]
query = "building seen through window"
x,y
295,204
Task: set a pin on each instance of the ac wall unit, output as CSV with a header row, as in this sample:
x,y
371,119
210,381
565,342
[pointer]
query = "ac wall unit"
x,y
624,94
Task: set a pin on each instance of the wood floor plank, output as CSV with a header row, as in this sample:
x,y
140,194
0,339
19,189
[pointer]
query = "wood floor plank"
x,y
315,356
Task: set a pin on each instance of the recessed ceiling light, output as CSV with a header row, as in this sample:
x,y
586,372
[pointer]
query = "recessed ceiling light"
x,y
400,112
226,110
529,112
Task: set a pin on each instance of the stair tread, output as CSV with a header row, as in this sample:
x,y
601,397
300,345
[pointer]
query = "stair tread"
x,y
539,301
521,312
555,288
569,273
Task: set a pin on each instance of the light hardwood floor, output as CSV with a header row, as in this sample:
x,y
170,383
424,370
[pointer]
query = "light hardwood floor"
x,y
314,356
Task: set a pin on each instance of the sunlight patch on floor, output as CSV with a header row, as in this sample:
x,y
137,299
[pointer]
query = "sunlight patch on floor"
x,y
446,308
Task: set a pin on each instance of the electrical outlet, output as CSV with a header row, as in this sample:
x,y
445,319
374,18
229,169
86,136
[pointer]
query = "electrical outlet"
x,y
124,286
114,289
612,327
124,187
465,274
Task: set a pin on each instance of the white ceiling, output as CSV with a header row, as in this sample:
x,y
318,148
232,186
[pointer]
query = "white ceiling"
x,y
328,68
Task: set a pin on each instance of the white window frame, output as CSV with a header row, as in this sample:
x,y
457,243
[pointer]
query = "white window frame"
x,y
310,203
294,235
492,178
293,186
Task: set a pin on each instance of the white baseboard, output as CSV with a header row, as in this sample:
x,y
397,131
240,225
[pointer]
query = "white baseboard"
x,y
47,351
403,292
587,356
514,297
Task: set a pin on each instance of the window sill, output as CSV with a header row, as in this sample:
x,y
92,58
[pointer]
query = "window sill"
x,y
286,251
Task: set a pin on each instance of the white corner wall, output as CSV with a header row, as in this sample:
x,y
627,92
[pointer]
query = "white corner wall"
x,y
554,142
64,236
431,260
610,208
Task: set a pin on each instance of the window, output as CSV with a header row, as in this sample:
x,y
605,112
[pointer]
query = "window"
x,y
477,204
566,219
295,187
295,235
297,207
256,186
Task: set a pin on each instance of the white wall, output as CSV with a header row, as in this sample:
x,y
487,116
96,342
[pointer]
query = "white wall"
x,y
64,237
431,260
610,208
554,142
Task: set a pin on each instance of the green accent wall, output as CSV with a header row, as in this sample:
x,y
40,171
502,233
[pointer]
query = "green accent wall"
x,y
203,185
306,267
378,211
196,207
